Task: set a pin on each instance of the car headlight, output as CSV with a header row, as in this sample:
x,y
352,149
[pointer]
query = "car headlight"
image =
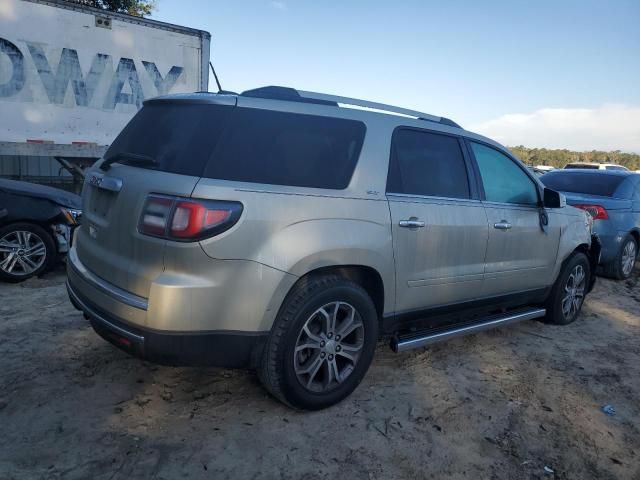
x,y
72,215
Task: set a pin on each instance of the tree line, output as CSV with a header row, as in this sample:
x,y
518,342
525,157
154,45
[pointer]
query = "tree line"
x,y
139,8
559,158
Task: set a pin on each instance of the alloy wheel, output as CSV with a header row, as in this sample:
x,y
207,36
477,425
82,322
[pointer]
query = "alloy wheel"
x,y
21,253
328,347
574,292
628,258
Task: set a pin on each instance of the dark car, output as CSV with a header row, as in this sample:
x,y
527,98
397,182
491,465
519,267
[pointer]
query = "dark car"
x,y
36,224
613,199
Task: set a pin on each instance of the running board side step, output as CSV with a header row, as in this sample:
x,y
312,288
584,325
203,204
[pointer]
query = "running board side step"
x,y
422,338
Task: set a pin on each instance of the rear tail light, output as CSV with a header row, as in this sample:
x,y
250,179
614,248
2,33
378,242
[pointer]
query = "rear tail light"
x,y
184,219
596,211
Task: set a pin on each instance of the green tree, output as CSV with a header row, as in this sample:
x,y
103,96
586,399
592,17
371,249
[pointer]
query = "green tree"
x,y
139,8
559,158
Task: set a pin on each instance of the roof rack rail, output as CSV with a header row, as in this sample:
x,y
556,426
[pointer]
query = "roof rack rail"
x,y
283,93
293,95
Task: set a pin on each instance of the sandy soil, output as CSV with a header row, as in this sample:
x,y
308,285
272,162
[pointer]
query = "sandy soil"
x,y
502,404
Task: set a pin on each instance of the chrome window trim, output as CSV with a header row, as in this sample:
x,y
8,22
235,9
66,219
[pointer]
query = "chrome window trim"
x,y
437,199
522,206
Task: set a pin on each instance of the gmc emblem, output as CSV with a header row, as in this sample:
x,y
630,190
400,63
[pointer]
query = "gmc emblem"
x,y
95,180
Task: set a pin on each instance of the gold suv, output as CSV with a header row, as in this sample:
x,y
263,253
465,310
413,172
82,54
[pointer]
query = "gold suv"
x,y
287,231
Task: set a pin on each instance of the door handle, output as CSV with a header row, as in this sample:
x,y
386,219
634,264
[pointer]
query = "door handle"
x,y
502,225
413,222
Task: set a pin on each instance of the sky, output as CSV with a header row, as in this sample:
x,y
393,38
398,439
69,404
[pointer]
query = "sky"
x,y
545,73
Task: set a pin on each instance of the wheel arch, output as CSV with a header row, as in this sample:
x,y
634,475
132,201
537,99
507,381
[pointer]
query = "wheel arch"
x,y
582,248
368,277
365,276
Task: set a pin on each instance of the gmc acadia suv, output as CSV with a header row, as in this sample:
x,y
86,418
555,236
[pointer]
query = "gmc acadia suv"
x,y
287,231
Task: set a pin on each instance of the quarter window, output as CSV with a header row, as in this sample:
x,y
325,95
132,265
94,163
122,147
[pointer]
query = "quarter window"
x,y
503,180
425,163
282,148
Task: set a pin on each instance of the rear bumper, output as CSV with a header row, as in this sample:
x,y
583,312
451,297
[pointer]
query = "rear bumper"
x,y
222,349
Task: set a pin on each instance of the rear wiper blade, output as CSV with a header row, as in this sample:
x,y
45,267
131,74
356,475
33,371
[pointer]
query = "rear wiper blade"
x,y
130,158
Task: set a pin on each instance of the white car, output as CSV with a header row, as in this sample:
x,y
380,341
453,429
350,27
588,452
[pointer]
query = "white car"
x,y
595,166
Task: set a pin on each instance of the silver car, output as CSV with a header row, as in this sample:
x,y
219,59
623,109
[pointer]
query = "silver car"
x,y
287,231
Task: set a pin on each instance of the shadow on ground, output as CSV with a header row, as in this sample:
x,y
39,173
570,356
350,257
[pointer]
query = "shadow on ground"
x,y
502,404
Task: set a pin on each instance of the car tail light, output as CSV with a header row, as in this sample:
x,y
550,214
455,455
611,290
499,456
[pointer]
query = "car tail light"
x,y
596,211
184,219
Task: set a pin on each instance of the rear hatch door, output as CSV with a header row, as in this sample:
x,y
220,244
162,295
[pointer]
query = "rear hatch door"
x,y
163,150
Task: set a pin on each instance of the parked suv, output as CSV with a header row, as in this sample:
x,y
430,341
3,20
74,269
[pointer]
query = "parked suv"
x,y
285,231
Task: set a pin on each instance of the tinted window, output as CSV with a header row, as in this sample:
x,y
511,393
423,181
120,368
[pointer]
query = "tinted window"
x,y
615,167
503,180
281,148
424,163
179,138
575,182
583,166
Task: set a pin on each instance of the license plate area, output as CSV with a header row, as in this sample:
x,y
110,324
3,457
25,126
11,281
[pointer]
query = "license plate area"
x,y
100,201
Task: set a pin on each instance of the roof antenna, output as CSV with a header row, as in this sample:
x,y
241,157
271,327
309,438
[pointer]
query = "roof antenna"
x,y
215,76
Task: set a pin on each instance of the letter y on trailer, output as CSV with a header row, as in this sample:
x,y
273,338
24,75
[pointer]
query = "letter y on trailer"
x,y
72,76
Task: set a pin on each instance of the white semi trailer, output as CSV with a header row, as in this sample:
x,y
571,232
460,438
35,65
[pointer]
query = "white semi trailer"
x,y
72,76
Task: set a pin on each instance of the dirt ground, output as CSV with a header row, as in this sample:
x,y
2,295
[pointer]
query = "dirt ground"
x,y
502,404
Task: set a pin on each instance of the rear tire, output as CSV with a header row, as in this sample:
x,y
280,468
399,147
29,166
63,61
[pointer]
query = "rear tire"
x,y
306,362
622,266
568,292
26,250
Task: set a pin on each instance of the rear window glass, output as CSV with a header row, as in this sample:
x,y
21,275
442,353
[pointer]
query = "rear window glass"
x,y
178,138
425,163
592,184
281,148
582,166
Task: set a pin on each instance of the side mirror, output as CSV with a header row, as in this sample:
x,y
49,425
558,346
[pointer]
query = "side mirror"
x,y
553,199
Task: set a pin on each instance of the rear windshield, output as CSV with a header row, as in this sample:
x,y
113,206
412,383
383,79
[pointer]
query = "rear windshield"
x,y
177,138
243,144
575,182
581,166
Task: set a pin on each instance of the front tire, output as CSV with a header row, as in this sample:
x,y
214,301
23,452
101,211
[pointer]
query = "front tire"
x,y
568,293
321,344
26,250
621,267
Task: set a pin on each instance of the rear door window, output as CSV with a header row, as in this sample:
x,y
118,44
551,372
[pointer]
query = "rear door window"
x,y
282,148
177,138
426,163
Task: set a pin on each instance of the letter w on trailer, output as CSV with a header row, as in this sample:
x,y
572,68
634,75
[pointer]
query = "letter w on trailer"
x,y
71,77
